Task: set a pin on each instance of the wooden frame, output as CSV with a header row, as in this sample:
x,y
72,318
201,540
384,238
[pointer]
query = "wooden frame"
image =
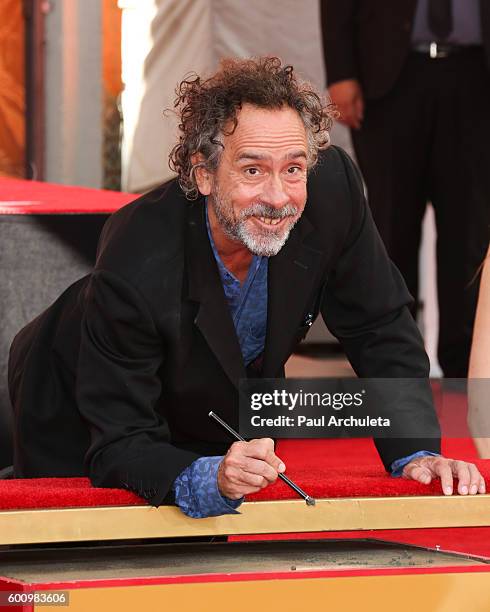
x,y
347,514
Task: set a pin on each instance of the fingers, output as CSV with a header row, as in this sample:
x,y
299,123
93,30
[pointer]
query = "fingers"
x,y
261,468
346,116
442,468
470,480
352,114
477,482
424,469
482,487
349,115
234,483
348,98
248,467
263,449
359,109
417,472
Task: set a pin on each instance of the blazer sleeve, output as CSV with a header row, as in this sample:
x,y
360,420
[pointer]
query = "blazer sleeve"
x,y
118,388
365,306
338,24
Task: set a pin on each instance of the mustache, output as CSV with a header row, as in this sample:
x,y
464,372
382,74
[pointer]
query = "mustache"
x,y
264,210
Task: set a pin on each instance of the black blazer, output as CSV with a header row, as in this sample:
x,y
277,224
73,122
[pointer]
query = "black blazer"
x,y
369,40
124,367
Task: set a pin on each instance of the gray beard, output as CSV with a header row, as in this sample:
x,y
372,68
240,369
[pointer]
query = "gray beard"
x,y
258,241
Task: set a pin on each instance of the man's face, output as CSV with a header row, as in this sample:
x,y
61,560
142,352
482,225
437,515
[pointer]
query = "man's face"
x,y
258,191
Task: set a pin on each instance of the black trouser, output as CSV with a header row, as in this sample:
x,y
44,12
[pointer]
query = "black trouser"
x,y
428,139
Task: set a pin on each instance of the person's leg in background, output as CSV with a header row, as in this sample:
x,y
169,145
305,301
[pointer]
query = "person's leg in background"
x,y
428,139
392,149
460,170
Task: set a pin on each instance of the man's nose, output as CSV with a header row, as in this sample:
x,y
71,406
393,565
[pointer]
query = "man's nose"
x,y
275,193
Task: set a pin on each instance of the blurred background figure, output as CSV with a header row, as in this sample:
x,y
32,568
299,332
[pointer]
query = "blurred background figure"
x,y
411,79
479,372
163,40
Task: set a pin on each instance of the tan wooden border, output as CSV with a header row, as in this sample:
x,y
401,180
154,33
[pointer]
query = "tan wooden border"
x,y
128,522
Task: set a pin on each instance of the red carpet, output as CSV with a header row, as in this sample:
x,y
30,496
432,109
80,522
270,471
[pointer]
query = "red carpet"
x,y
324,468
60,493
18,197
352,468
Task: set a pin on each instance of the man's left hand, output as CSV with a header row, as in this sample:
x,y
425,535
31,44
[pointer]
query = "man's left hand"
x,y
424,469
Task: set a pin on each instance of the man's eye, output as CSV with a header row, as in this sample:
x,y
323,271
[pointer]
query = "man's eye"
x,y
294,170
252,171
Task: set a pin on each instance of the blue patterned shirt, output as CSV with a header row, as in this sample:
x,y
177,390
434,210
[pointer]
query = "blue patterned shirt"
x,y
247,302
196,490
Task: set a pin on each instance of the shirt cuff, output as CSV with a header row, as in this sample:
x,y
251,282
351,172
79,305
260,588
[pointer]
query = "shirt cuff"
x,y
397,466
196,490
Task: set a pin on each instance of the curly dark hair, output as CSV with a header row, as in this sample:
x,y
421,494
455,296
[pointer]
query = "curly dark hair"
x,y
207,107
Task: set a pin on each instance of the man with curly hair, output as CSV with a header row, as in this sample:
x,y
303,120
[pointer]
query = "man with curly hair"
x,y
207,280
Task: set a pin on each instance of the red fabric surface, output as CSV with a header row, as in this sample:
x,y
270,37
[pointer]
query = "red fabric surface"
x,y
18,197
60,493
323,468
352,468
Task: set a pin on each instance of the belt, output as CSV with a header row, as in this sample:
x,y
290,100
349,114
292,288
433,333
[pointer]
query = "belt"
x,y
437,50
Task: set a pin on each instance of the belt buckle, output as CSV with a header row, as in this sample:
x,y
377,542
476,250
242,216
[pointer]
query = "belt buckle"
x,y
435,52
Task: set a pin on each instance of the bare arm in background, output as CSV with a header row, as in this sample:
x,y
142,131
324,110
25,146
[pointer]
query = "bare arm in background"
x,y
479,370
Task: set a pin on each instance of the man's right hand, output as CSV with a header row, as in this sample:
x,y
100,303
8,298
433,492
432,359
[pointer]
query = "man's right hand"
x,y
347,96
248,467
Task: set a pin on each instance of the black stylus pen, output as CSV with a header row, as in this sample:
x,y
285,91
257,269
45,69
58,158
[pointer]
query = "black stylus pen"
x,y
310,501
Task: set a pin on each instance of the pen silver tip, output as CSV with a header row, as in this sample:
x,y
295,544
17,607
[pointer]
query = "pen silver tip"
x,y
310,501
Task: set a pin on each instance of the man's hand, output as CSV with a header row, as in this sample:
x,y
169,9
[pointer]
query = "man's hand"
x,y
248,467
424,469
347,96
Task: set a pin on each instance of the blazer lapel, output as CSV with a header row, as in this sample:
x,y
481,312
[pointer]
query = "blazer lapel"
x,y
213,317
292,273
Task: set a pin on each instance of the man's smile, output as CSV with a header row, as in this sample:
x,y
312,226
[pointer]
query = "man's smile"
x,y
270,222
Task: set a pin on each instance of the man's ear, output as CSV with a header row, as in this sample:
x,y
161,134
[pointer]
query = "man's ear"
x,y
202,174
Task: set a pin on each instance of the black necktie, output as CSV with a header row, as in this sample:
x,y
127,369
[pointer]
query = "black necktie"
x,y
440,18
